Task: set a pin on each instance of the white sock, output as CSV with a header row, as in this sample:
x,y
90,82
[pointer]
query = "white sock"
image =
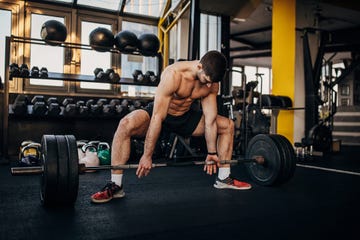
x,y
224,172
117,179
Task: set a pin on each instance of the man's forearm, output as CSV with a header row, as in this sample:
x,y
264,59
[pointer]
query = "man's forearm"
x,y
211,136
152,136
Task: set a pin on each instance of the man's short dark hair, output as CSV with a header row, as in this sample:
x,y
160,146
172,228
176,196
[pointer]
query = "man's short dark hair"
x,y
214,65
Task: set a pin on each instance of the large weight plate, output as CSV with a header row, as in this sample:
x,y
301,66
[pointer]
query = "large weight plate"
x,y
283,153
63,170
268,173
288,161
59,182
73,177
49,178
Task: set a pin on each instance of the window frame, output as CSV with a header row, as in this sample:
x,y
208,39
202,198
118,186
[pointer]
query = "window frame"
x,y
57,11
115,62
16,49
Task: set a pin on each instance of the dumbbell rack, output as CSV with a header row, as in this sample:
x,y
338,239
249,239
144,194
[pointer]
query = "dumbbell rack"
x,y
54,76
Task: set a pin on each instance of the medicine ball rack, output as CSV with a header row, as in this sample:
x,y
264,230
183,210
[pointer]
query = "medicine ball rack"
x,y
9,40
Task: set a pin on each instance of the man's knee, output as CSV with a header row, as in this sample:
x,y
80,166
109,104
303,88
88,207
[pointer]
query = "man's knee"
x,y
124,128
231,126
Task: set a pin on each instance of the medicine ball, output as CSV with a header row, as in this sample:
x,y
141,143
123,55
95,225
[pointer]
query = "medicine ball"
x,y
53,30
126,41
149,44
101,39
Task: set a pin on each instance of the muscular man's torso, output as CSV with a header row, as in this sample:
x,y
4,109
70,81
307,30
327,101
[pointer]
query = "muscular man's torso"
x,y
189,89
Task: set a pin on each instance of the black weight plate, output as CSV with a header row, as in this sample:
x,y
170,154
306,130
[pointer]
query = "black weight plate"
x,y
73,176
49,178
290,159
268,173
283,153
63,173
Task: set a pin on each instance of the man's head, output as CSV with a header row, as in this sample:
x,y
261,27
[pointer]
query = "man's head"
x,y
214,65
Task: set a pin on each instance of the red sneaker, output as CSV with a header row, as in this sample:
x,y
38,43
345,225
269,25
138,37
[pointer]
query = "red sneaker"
x,y
231,183
110,191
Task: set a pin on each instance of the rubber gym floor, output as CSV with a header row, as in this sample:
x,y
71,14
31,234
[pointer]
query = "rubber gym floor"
x,y
180,203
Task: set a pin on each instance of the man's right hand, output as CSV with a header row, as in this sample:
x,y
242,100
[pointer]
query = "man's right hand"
x,y
145,165
211,168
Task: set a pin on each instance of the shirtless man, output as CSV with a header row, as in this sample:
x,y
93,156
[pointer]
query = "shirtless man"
x,y
181,83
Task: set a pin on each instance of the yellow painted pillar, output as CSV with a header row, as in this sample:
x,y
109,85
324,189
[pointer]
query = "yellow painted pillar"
x,y
283,60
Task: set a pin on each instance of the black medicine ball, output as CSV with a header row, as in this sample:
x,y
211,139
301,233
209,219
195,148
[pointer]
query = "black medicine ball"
x,y
149,44
126,41
53,30
101,39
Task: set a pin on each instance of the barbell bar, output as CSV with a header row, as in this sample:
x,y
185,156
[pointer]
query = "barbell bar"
x,y
269,160
36,170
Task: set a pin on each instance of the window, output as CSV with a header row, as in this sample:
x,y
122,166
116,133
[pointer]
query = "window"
x,y
264,86
145,7
5,30
104,4
93,59
129,62
210,33
51,57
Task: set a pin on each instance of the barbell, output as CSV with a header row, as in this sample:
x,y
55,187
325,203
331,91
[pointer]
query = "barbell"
x,y
270,160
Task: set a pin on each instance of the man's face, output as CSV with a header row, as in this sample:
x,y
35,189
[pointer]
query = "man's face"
x,y
204,79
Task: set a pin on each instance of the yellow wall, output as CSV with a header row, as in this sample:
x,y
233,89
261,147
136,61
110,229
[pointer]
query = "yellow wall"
x,y
283,60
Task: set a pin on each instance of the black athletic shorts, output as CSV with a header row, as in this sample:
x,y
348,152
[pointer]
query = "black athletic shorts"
x,y
183,125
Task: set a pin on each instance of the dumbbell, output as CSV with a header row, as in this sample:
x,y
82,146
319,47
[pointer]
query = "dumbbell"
x,y
101,102
101,75
136,105
54,109
52,100
19,106
70,108
24,70
82,108
109,110
39,106
123,108
89,103
138,76
112,75
53,106
114,102
95,109
151,77
43,72
35,71
14,70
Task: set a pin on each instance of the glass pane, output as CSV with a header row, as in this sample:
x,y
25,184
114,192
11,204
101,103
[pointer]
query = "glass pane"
x,y
266,81
93,59
5,30
51,57
210,30
129,63
105,4
145,7
236,77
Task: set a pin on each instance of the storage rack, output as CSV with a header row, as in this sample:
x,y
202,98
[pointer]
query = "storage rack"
x,y
55,76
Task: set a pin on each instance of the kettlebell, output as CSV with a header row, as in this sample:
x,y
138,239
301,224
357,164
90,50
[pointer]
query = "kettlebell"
x,y
104,153
91,159
80,144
